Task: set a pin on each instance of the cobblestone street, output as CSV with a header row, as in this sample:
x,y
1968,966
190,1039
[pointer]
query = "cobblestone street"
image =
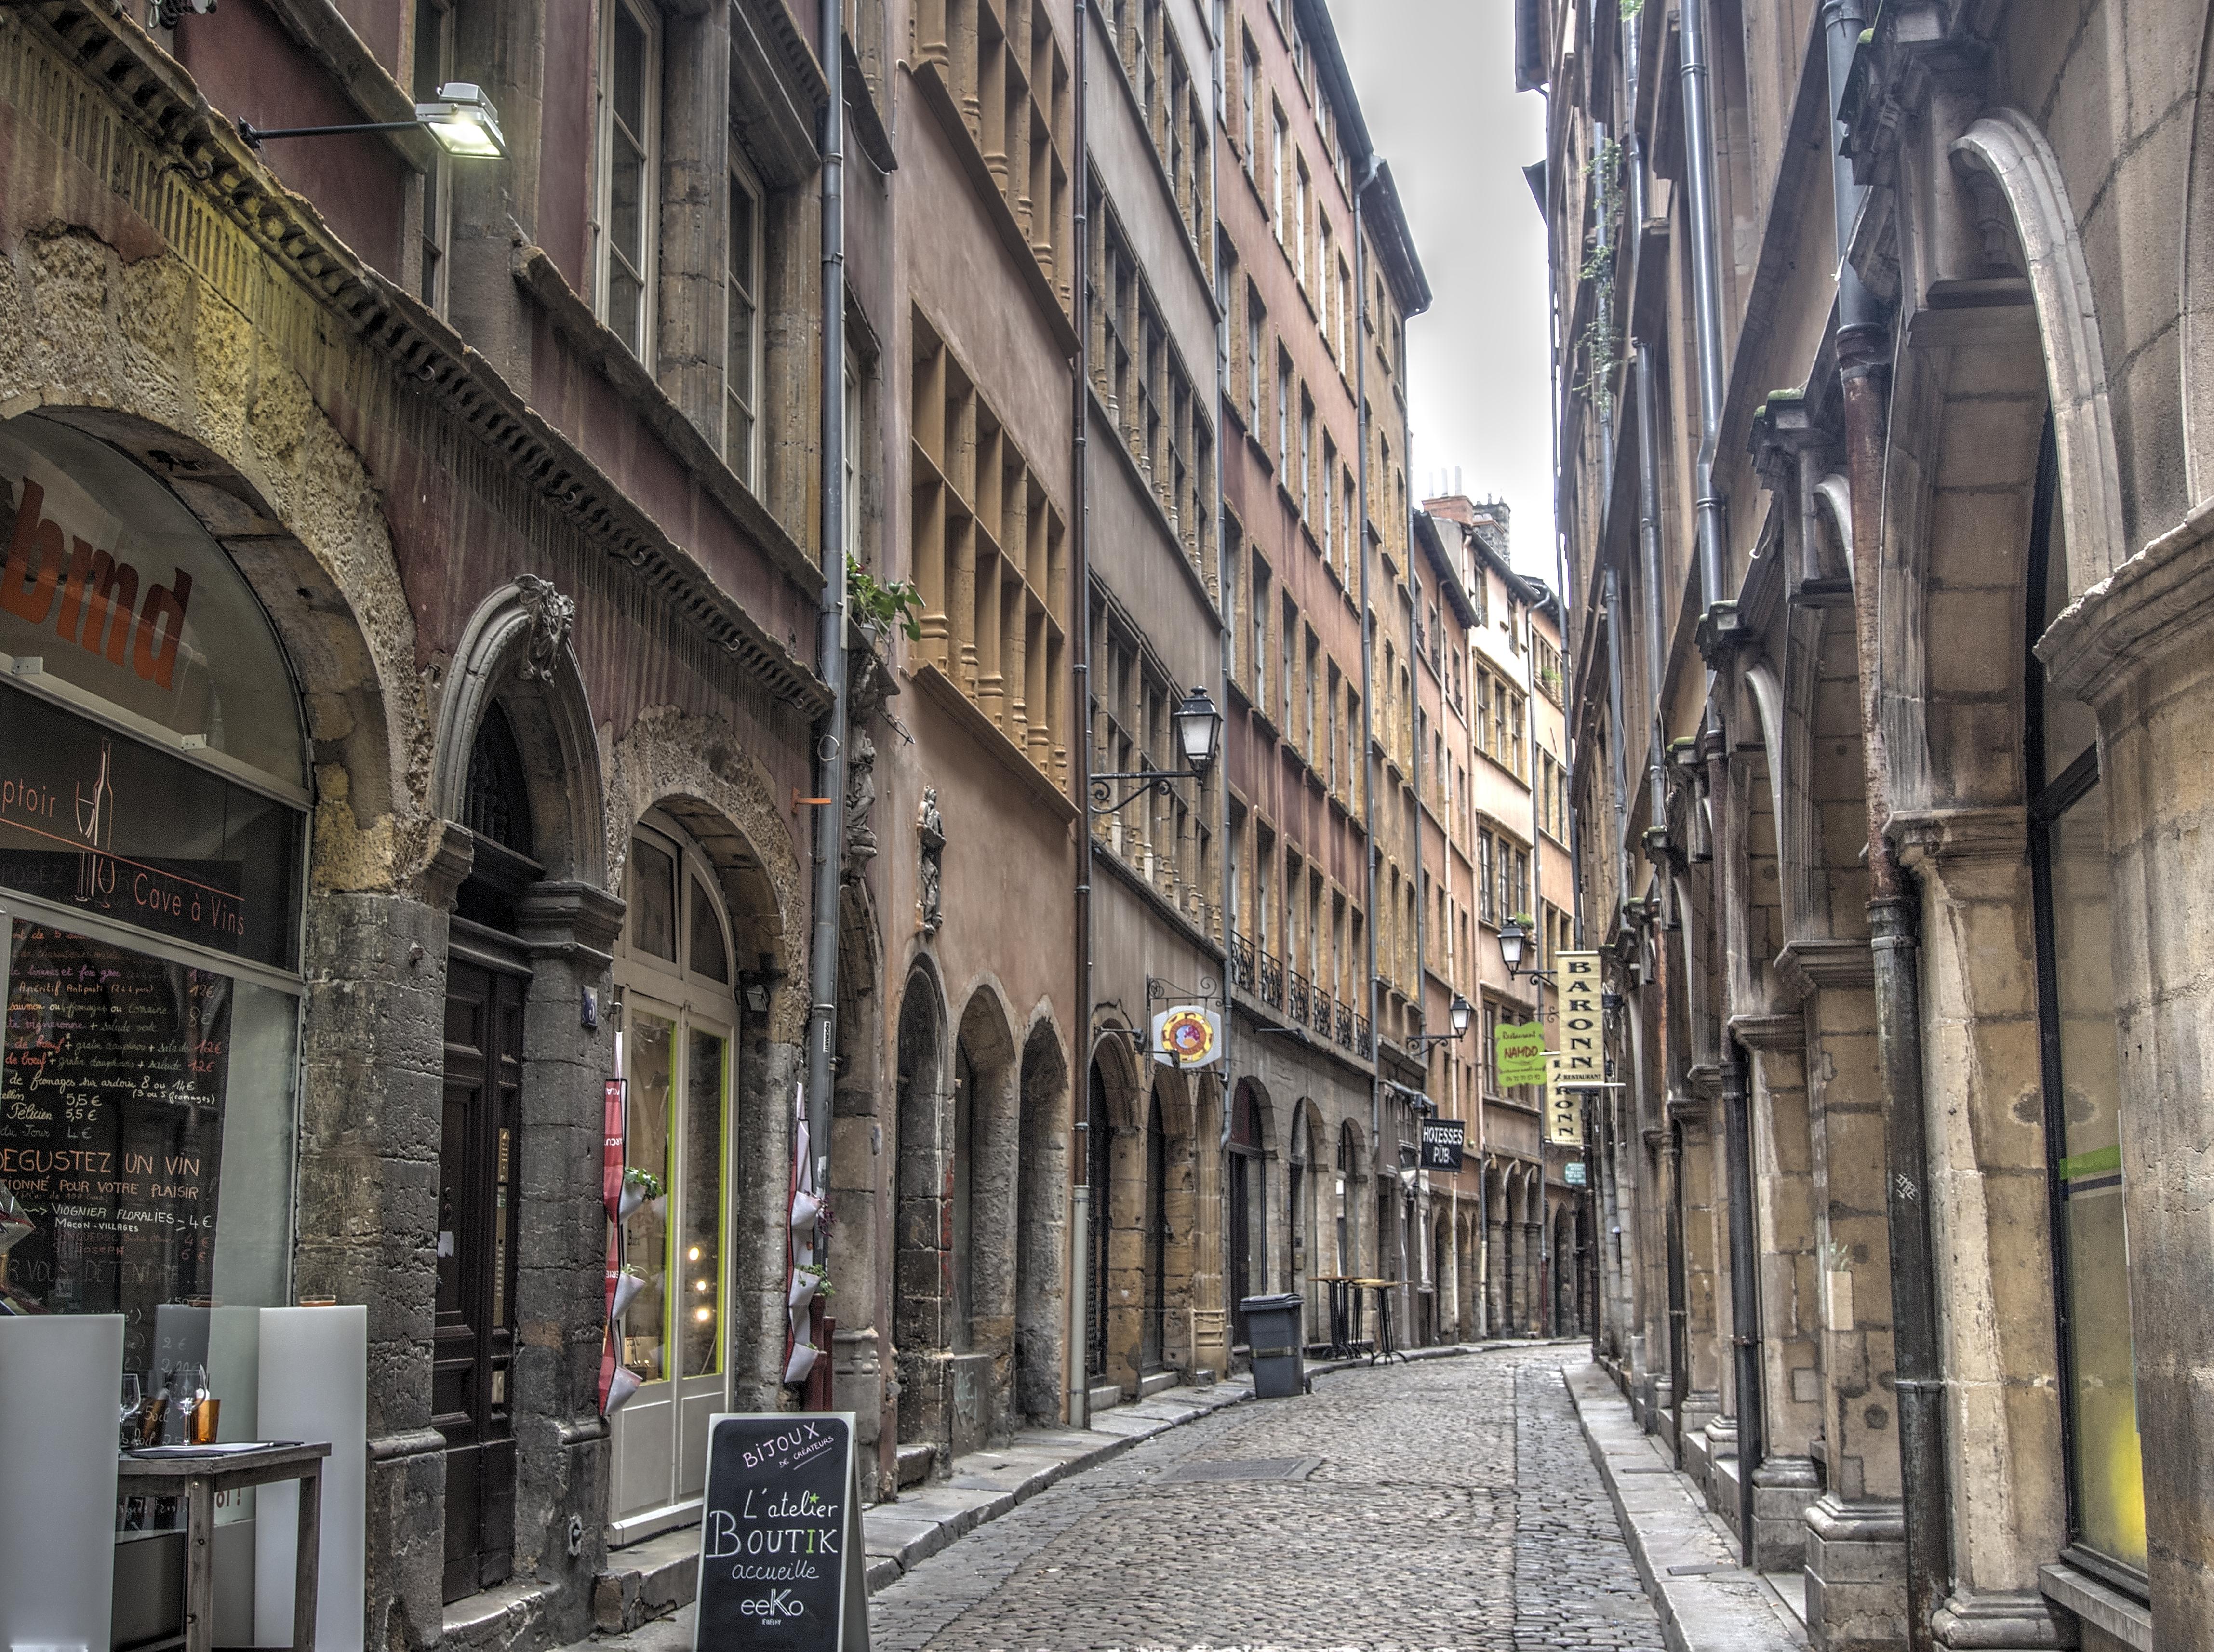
x,y
1451,1503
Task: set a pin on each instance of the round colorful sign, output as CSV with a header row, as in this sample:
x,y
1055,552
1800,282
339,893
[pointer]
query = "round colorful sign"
x,y
1189,1034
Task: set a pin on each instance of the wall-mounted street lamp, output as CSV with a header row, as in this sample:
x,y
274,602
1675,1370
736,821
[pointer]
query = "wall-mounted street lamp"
x,y
1513,941
1199,739
460,119
1458,1016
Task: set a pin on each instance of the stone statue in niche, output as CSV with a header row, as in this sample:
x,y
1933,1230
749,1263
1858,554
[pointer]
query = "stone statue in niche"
x,y
860,801
930,827
549,615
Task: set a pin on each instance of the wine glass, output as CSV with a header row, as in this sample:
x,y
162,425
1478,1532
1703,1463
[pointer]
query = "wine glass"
x,y
126,1416
190,1392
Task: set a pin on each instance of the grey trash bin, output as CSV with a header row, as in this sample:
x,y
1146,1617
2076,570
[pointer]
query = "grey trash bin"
x,y
1272,1329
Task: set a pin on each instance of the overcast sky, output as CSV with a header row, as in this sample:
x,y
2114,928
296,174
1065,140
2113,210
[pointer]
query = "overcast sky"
x,y
1436,82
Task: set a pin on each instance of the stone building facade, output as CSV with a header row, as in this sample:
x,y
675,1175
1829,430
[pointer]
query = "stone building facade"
x,y
506,571
1881,345
1507,1238
1315,277
458,524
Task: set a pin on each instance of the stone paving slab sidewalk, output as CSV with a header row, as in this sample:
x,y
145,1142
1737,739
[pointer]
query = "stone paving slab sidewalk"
x,y
643,1604
1689,1559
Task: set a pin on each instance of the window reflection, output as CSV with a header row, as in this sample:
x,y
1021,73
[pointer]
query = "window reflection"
x,y
648,1060
701,1267
2102,1380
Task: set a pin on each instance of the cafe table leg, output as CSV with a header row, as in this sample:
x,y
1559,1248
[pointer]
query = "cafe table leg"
x,y
199,1565
304,1567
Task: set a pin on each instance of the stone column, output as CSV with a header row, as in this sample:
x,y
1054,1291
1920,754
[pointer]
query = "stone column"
x,y
373,1086
561,1225
1856,1533
1698,1172
1989,1216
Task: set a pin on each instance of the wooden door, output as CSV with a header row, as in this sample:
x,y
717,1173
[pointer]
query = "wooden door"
x,y
478,1182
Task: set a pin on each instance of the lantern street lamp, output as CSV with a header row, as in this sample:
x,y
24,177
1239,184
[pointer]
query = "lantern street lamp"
x,y
1199,739
1514,942
1458,1016
459,119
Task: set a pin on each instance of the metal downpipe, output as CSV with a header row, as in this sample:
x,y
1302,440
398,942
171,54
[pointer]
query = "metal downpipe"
x,y
830,645
1078,1359
1367,678
1706,296
1862,367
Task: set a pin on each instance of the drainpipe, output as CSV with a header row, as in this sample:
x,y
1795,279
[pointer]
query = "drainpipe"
x,y
1079,1357
1861,369
1411,1222
830,646
1706,296
1367,677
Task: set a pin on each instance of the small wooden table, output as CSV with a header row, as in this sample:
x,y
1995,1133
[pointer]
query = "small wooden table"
x,y
201,1476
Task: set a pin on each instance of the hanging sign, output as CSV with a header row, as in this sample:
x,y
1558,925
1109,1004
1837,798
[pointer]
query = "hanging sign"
x,y
1564,1116
781,1556
1581,1062
1187,1037
1442,1141
1521,1051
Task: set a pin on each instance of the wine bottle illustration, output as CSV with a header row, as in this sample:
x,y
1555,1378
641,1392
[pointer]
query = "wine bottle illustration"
x,y
95,823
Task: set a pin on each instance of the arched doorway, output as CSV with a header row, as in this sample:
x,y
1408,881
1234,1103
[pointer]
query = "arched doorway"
x,y
154,838
1041,1224
922,1285
675,980
1154,1264
1249,1201
1099,1135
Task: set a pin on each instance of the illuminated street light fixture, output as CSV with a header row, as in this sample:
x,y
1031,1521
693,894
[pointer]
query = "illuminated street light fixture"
x,y
459,119
1199,738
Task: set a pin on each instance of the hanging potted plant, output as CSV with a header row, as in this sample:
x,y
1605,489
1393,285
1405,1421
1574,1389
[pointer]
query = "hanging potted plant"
x,y
628,1283
807,1280
637,1187
803,1355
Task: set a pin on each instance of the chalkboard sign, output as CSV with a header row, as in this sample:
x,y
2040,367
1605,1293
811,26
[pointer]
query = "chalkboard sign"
x,y
111,1129
781,1558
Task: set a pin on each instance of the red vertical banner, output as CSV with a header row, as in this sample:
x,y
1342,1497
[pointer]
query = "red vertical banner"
x,y
611,1146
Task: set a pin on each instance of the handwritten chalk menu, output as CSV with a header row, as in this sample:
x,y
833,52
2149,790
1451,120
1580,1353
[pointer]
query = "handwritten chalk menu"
x,y
111,1129
781,1558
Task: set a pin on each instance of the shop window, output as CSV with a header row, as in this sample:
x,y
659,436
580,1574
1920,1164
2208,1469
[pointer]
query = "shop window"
x,y
678,1054
152,835
2079,1055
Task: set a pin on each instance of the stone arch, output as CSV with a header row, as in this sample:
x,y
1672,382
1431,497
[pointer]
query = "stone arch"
x,y
921,1284
2006,146
1251,1145
1042,1224
1822,827
1349,1174
694,768
1305,1168
516,652
982,1178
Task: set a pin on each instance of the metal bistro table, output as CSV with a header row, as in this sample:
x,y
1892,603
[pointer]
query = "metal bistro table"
x,y
202,1473
1344,1327
1383,1350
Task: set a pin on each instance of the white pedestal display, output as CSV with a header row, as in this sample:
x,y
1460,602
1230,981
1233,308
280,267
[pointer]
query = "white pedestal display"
x,y
60,1377
314,1385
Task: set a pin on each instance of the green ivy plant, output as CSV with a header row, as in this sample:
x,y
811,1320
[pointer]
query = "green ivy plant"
x,y
883,604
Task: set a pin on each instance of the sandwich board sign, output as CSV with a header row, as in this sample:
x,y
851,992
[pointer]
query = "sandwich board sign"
x,y
781,1563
